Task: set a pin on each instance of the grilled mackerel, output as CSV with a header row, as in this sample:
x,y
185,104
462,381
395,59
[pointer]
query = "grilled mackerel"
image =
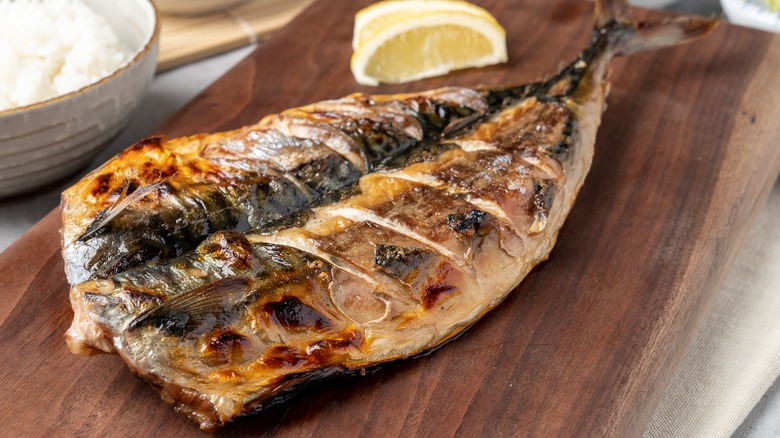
x,y
229,268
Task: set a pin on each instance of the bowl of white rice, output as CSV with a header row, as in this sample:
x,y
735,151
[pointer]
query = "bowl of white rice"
x,y
71,74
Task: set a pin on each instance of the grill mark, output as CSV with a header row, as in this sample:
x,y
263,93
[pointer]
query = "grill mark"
x,y
326,134
389,129
300,240
266,153
381,140
224,345
362,215
434,290
360,106
424,152
378,141
327,177
401,263
403,128
294,315
480,203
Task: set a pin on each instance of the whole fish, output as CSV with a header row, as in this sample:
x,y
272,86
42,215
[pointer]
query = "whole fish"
x,y
380,227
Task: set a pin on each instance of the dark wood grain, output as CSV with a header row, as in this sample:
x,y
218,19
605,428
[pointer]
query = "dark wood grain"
x,y
585,346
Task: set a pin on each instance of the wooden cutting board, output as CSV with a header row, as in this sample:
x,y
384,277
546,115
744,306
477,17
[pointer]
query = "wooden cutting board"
x,y
585,346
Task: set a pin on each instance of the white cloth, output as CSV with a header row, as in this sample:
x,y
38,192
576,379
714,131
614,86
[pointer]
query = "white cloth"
x,y
735,357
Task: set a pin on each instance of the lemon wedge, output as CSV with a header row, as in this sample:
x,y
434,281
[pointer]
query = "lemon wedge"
x,y
404,40
384,13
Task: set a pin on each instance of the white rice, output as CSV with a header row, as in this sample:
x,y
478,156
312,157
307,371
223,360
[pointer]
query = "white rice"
x,y
53,47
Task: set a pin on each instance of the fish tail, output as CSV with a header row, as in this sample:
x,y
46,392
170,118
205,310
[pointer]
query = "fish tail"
x,y
614,17
612,11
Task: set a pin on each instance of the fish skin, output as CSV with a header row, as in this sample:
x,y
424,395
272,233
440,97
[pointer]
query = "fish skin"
x,y
409,258
193,186
473,221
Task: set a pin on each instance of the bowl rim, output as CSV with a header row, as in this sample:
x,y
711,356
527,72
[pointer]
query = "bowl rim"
x,y
129,63
752,13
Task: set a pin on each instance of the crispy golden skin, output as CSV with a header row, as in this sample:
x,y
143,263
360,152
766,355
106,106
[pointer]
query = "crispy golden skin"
x,y
382,226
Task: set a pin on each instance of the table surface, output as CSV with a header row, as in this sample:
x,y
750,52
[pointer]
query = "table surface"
x,y
172,89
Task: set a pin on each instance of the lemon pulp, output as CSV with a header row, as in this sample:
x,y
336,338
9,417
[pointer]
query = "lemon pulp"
x,y
407,44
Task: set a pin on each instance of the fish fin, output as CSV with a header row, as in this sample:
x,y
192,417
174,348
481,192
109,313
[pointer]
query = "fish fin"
x,y
670,32
614,17
461,123
199,309
124,201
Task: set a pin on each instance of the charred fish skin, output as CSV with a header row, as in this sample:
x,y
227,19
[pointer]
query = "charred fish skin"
x,y
407,262
422,245
160,198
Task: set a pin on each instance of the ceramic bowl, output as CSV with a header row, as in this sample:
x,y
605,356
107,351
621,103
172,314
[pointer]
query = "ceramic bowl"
x,y
46,141
195,7
752,13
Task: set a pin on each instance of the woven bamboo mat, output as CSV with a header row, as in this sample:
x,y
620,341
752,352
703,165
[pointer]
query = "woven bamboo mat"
x,y
187,39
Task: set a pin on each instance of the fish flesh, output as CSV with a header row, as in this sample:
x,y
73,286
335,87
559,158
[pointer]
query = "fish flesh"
x,y
230,269
159,199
